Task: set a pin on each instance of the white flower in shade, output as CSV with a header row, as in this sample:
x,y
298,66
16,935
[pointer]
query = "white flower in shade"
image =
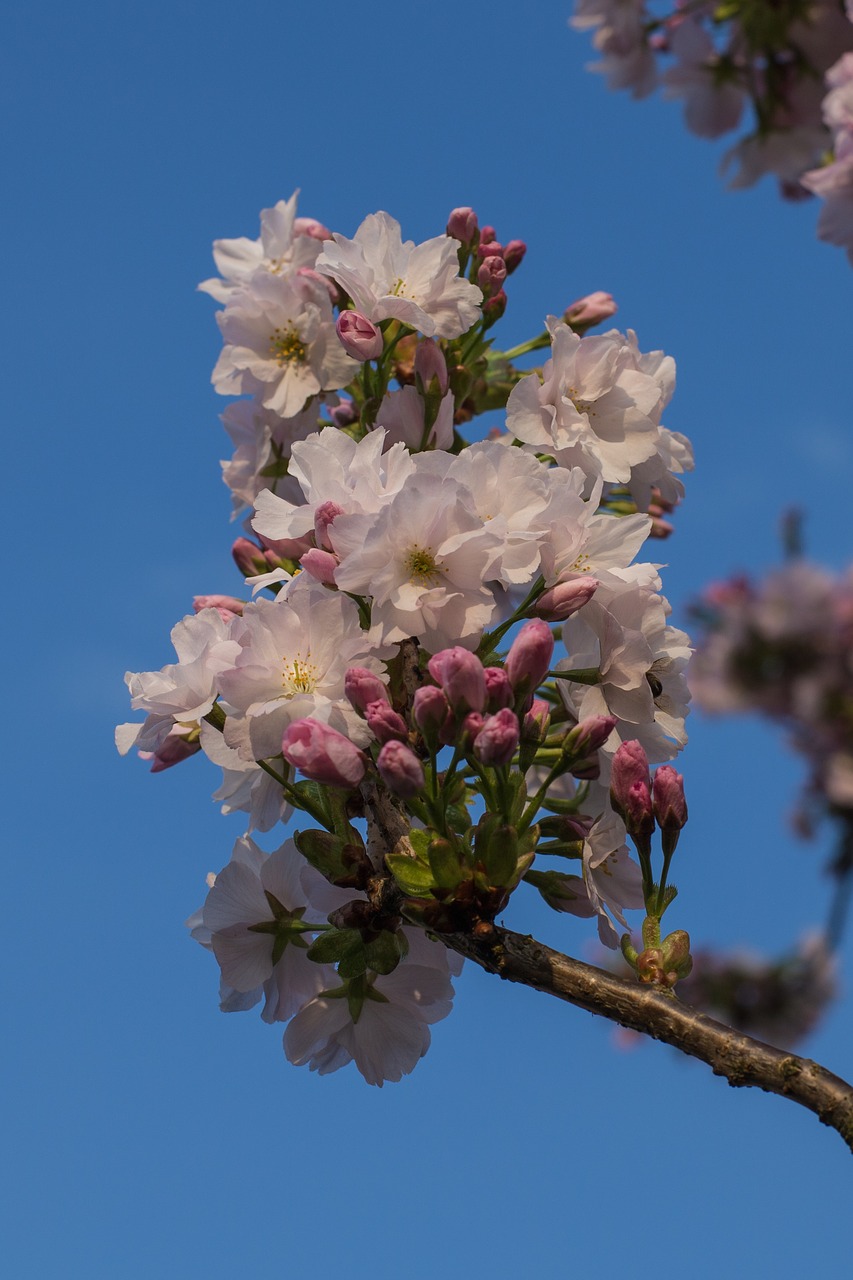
x,y
595,409
613,882
423,559
287,245
623,633
253,916
293,654
281,345
402,416
389,278
262,442
246,787
331,468
183,692
390,1033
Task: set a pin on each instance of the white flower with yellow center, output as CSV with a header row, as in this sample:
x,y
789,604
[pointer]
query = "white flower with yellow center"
x,y
294,654
281,344
391,278
284,248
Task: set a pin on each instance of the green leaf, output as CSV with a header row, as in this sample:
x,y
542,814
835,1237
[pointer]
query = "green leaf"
x,y
444,864
335,945
384,952
412,876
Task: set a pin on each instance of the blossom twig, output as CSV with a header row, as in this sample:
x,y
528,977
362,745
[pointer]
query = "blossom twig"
x,y
742,1060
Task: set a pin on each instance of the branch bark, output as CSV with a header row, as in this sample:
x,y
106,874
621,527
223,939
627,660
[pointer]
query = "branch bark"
x,y
744,1062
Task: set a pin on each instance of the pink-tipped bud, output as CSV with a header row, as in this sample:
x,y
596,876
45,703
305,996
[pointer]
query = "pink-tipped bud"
x,y
400,770
561,601
320,564
670,806
430,363
345,413
465,734
251,559
228,607
384,722
324,516
529,657
630,788
174,748
430,711
460,674
514,251
462,224
323,754
494,249
589,735
359,336
497,741
499,692
494,307
536,722
362,687
590,310
490,275
487,235
311,227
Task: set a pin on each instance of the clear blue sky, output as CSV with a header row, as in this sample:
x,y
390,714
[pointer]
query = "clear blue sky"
x,y
147,1134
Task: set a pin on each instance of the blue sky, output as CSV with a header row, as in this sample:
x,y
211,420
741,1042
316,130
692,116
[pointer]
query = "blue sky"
x,y
147,1133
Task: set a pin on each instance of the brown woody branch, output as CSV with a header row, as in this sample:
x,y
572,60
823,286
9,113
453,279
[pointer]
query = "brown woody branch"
x,y
743,1061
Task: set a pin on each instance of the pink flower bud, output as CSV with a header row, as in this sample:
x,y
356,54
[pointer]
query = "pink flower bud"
x,y
359,336
487,235
498,689
323,754
228,606
311,227
514,251
493,248
345,413
320,564
670,807
589,735
323,517
465,734
460,675
251,559
491,275
384,722
497,741
363,687
561,601
630,788
536,722
430,363
400,770
174,748
494,307
430,711
590,310
462,224
529,657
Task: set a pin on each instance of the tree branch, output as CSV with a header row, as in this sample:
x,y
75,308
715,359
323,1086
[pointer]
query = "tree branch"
x,y
742,1060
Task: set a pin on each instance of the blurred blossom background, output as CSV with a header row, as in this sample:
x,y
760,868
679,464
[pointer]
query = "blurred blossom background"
x,y
148,1133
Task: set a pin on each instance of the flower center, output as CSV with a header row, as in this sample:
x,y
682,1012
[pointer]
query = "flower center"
x,y
298,676
398,289
420,566
286,347
582,406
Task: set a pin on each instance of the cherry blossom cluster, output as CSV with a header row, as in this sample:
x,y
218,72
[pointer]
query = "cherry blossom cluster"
x,y
786,67
447,659
782,647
